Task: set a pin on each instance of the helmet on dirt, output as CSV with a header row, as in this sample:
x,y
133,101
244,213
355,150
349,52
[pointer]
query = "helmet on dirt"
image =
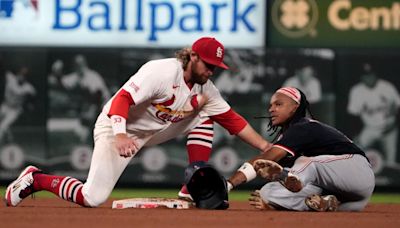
x,y
206,186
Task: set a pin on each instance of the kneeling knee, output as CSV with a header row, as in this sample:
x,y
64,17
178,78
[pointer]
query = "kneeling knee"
x,y
95,201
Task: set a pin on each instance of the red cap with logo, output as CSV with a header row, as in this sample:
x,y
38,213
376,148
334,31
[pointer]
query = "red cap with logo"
x,y
210,51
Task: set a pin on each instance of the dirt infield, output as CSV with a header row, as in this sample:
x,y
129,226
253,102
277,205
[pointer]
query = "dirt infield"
x,y
57,213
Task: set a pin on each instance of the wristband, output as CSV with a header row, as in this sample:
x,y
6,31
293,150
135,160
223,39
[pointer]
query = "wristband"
x,y
248,170
229,186
284,174
118,124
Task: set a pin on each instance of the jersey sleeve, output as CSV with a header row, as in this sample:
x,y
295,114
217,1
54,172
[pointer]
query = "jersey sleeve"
x,y
150,83
120,104
147,83
216,104
231,121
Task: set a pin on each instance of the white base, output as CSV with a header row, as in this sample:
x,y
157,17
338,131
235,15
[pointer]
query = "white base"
x,y
151,203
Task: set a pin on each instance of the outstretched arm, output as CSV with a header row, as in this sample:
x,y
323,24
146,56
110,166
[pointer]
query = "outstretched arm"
x,y
251,137
237,125
248,171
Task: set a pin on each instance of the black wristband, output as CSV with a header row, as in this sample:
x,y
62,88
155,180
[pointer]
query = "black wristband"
x,y
284,174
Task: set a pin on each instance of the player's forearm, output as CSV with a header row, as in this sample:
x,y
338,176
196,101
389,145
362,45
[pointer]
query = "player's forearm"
x,y
245,173
237,179
250,136
248,172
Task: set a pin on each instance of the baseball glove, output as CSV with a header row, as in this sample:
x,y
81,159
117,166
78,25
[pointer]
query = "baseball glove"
x,y
267,169
272,171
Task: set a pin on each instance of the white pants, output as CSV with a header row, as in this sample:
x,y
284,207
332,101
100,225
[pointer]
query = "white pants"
x,y
107,166
387,139
8,115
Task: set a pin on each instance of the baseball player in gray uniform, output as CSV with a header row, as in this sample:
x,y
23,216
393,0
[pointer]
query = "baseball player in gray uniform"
x,y
329,172
376,102
164,99
17,90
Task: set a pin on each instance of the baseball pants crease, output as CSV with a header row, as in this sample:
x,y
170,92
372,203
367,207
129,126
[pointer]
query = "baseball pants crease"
x,y
326,174
105,169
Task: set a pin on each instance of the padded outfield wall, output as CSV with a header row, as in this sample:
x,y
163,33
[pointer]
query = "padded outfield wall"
x,y
268,43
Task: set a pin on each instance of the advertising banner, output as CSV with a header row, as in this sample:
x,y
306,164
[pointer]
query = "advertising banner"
x,y
338,23
131,23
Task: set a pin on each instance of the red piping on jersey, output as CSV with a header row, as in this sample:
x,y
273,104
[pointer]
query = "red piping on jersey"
x,y
120,104
166,103
327,160
231,121
335,158
285,149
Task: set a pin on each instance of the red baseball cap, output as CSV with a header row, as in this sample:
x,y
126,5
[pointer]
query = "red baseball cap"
x,y
210,51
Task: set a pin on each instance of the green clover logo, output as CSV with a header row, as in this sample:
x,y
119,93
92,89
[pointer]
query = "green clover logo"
x,y
295,18
295,14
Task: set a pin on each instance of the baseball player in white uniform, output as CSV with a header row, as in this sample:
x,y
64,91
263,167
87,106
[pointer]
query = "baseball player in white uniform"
x,y
17,89
164,99
377,102
93,90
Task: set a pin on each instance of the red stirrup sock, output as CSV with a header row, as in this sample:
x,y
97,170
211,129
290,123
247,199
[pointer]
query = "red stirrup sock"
x,y
67,188
199,142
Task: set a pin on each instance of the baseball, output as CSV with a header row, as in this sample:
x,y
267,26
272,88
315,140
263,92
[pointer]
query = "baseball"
x,y
195,102
198,101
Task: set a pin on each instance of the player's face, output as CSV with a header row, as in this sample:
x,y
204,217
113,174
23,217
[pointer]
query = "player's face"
x,y
201,71
281,109
369,79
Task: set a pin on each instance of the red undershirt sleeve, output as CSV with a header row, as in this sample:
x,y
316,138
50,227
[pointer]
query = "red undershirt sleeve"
x,y
120,104
231,121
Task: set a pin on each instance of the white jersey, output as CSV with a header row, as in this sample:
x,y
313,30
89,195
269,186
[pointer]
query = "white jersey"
x,y
377,106
90,80
15,93
161,95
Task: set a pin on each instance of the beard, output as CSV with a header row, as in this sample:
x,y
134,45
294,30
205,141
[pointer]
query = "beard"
x,y
198,78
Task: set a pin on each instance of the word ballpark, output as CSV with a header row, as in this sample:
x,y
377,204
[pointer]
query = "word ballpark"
x,y
155,17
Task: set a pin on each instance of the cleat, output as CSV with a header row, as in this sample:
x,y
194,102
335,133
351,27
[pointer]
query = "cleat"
x,y
21,187
292,183
322,203
183,194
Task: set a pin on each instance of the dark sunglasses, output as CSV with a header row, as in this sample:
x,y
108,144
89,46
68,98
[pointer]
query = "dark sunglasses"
x,y
209,66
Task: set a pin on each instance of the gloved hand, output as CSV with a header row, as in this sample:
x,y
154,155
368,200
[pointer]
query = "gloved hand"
x,y
267,169
272,171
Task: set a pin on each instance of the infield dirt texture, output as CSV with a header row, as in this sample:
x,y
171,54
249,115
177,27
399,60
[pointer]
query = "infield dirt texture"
x,y
53,212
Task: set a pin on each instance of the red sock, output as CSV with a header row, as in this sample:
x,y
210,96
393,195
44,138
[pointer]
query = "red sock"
x,y
199,142
67,188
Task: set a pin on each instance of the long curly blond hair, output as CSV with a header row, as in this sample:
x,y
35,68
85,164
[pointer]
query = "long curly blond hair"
x,y
183,55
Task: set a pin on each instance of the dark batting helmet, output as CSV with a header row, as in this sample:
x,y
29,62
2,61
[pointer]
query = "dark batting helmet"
x,y
206,186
